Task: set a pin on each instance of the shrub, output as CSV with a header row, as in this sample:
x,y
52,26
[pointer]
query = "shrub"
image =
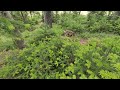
x,y
77,23
41,34
103,24
61,58
6,43
47,58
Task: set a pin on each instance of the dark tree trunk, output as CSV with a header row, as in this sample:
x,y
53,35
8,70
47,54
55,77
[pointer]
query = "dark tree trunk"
x,y
48,18
79,12
56,14
64,12
31,14
42,16
23,17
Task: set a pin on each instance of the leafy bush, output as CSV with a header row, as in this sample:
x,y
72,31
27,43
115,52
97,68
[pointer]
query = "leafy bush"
x,y
94,23
41,34
6,25
6,43
52,56
77,23
103,24
61,58
47,58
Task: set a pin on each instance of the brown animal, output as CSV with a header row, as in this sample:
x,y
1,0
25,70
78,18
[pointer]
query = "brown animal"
x,y
69,33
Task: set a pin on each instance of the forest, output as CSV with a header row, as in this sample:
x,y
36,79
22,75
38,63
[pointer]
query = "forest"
x,y
54,45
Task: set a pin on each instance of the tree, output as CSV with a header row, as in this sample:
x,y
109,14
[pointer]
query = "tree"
x,y
48,18
75,12
7,14
19,42
79,12
23,16
117,13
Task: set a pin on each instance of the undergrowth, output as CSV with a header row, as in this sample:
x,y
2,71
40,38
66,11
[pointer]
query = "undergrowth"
x,y
49,55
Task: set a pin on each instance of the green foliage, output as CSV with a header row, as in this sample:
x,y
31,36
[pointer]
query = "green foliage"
x,y
35,19
77,23
95,22
48,55
47,58
27,26
41,34
62,58
6,25
103,24
6,43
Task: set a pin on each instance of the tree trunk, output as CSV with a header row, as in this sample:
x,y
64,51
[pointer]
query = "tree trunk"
x,y
79,12
22,16
43,16
48,18
75,12
7,14
19,42
30,14
118,13
56,14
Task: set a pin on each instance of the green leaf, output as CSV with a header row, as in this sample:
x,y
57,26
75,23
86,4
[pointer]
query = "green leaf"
x,y
74,76
11,27
27,26
19,65
88,63
83,76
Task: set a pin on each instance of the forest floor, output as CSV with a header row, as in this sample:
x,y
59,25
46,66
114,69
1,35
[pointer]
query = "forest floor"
x,y
5,54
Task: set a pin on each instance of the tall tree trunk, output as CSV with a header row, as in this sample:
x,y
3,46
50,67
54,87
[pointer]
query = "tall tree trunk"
x,y
56,14
8,14
19,42
30,14
79,12
75,12
42,16
109,13
118,13
64,12
48,18
22,15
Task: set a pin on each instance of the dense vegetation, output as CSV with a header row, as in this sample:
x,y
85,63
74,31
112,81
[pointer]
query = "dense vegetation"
x,y
92,53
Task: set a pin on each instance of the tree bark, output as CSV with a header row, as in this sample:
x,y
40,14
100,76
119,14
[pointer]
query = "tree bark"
x,y
19,43
22,16
118,13
48,18
79,12
8,14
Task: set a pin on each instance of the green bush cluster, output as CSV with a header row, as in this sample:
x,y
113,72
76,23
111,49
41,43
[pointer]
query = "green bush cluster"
x,y
103,24
49,55
95,23
77,24
6,43
62,58
41,34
